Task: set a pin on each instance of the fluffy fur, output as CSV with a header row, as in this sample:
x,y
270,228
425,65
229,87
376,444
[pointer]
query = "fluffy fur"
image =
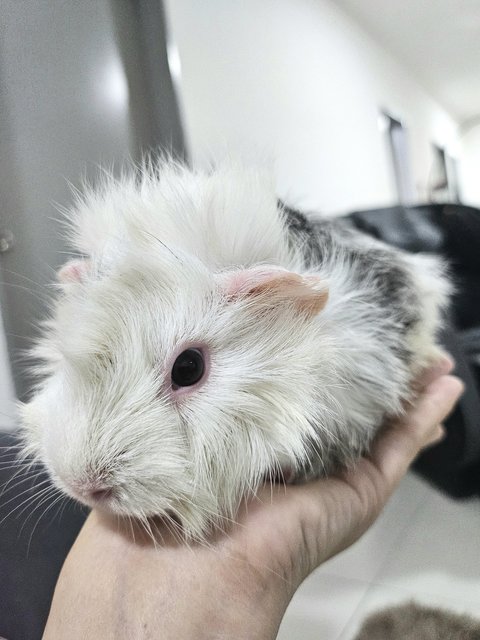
x,y
414,622
296,381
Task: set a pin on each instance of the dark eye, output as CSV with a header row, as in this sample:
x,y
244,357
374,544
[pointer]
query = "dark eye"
x,y
188,368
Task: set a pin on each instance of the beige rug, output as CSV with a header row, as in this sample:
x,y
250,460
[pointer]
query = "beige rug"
x,y
414,622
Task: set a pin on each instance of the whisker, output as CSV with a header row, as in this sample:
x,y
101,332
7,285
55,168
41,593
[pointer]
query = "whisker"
x,y
19,481
22,469
29,499
31,488
45,498
24,277
37,295
163,244
45,493
46,510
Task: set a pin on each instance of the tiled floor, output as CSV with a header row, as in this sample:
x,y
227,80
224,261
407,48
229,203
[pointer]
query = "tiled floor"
x,y
424,546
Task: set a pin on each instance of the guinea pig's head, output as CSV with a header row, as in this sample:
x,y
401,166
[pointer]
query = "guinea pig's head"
x,y
171,389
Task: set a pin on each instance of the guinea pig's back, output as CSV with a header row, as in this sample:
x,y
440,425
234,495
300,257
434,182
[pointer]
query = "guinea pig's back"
x,y
383,313
405,291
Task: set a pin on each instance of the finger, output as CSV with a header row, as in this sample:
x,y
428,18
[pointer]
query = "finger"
x,y
437,436
443,366
396,448
335,511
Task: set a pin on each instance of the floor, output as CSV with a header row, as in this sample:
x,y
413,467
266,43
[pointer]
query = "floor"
x,y
425,546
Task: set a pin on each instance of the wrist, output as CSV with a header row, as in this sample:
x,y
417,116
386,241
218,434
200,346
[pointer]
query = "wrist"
x,y
220,595
250,602
124,588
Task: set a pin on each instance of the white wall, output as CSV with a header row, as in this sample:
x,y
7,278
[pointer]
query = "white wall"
x,y
7,395
470,167
299,82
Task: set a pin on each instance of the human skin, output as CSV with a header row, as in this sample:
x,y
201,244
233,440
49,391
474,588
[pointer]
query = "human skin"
x,y
118,584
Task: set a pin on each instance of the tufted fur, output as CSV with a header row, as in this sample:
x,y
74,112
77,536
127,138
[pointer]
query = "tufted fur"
x,y
414,622
292,384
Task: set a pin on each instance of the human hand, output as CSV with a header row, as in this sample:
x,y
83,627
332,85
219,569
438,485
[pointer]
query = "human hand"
x,y
116,583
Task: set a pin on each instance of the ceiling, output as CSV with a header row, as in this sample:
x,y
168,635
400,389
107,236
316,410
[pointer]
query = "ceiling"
x,y
438,40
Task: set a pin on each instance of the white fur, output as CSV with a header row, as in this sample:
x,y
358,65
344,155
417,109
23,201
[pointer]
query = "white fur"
x,y
281,383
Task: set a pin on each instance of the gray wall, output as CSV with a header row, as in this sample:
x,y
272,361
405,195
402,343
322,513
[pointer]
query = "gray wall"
x,y
80,85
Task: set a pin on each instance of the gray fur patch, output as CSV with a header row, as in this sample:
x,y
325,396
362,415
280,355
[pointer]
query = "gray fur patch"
x,y
390,281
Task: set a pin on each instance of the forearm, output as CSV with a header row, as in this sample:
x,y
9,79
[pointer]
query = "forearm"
x,y
113,588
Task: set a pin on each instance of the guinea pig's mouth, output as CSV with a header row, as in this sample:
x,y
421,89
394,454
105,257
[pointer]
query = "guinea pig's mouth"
x,y
101,495
93,493
105,493
95,496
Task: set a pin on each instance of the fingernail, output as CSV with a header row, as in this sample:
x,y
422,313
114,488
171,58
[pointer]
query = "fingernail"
x,y
445,364
436,437
462,385
440,381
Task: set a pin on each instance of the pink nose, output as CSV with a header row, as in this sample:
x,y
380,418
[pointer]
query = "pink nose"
x,y
93,491
99,495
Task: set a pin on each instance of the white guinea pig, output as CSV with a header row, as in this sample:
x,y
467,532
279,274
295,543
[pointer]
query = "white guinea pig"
x,y
210,337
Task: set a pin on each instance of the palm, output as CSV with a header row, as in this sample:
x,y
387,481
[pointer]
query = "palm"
x,y
291,530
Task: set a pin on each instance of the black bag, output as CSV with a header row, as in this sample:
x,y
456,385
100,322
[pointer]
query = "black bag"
x,y
452,231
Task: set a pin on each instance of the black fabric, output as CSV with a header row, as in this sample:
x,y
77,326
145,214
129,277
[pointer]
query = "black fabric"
x,y
454,464
452,231
461,227
413,229
32,546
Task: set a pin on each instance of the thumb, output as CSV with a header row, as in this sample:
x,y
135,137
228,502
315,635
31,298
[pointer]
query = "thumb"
x,y
398,446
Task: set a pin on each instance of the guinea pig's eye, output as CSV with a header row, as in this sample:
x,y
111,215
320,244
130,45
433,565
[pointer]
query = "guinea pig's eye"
x,y
188,368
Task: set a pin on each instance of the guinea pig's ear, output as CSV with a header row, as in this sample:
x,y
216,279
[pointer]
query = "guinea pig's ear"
x,y
276,286
74,271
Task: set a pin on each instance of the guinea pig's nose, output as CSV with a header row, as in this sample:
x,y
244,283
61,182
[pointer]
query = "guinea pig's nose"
x,y
100,494
90,490
94,491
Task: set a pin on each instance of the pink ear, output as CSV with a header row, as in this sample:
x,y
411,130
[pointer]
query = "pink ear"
x,y
73,271
275,285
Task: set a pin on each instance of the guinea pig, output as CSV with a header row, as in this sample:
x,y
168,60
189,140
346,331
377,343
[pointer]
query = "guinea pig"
x,y
209,338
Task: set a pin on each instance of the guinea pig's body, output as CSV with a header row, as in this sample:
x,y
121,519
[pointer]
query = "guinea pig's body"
x,y
211,337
